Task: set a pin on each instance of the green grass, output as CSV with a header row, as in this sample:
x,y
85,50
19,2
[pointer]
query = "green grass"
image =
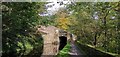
x,y
64,51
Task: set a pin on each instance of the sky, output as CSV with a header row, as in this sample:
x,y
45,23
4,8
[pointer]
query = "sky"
x,y
54,6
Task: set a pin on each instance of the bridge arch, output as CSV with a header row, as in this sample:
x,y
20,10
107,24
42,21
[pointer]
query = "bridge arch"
x,y
63,42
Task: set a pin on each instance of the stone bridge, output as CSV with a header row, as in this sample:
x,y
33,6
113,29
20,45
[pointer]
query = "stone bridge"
x,y
54,39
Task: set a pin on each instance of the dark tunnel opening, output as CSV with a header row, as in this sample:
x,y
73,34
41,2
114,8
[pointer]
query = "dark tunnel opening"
x,y
63,42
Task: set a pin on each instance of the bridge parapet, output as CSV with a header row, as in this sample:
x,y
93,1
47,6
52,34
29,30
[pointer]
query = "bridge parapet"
x,y
52,39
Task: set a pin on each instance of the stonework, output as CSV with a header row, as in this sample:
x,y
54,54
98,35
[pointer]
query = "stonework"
x,y
51,39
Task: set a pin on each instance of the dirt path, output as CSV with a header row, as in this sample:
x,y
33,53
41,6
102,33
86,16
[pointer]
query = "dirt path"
x,y
75,51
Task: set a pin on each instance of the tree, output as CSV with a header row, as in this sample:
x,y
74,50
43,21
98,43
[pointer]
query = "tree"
x,y
63,21
18,22
97,24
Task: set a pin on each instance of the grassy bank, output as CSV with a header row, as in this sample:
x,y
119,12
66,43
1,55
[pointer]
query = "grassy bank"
x,y
91,51
64,51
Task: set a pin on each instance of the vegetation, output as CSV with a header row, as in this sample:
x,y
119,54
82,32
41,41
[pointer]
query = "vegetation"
x,y
18,35
96,24
90,51
64,51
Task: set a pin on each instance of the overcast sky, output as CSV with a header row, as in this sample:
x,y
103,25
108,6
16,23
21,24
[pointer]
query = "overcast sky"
x,y
54,6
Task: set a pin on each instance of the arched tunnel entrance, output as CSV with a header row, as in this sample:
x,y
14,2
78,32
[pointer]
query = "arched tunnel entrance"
x,y
63,42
